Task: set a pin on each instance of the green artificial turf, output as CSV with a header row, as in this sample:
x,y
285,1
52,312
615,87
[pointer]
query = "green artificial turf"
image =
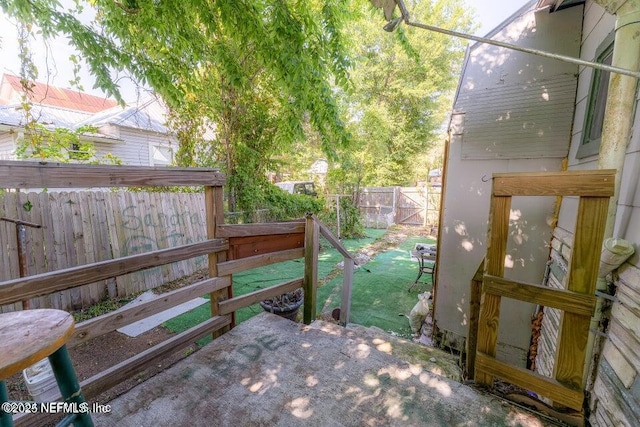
x,y
380,297
270,275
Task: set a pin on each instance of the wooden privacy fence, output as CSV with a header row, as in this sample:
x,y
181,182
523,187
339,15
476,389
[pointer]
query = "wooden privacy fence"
x,y
577,301
85,227
229,249
385,206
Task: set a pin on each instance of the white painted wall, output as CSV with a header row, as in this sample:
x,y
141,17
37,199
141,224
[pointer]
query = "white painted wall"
x,y
136,149
520,83
7,146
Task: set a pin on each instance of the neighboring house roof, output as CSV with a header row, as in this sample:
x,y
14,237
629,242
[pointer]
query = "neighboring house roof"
x,y
14,115
11,91
57,107
147,115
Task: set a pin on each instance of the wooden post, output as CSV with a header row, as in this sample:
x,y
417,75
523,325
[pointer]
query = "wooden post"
x,y
425,193
583,272
494,265
347,280
394,205
311,249
214,205
338,213
474,315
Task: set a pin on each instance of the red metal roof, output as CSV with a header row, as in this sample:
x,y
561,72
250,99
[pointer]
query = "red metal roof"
x,y
59,97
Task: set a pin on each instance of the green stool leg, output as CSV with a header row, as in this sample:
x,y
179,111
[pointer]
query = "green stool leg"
x,y
5,418
68,383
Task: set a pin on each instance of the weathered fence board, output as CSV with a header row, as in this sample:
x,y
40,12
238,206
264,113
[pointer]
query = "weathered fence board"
x,y
79,228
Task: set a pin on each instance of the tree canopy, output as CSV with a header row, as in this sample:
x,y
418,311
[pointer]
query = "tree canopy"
x,y
401,89
272,77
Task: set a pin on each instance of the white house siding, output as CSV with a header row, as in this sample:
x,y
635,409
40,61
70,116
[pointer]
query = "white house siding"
x,y
7,146
492,132
613,383
136,150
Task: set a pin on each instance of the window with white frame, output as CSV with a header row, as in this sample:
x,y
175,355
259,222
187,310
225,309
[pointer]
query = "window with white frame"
x,y
161,155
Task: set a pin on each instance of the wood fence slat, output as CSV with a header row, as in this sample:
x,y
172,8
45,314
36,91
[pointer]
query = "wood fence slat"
x,y
36,236
242,230
105,250
165,236
66,220
235,303
49,248
592,183
530,381
93,233
40,284
5,235
106,323
542,295
238,265
582,276
21,174
12,245
84,227
105,380
474,315
494,265
55,199
78,236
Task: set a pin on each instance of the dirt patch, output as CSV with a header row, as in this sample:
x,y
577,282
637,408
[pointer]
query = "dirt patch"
x,y
98,354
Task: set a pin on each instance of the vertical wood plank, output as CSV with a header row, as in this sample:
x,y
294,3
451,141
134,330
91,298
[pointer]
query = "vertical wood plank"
x,y
90,232
4,239
100,208
582,276
12,245
474,317
49,245
36,236
75,203
311,250
116,237
99,252
56,202
347,280
214,205
494,265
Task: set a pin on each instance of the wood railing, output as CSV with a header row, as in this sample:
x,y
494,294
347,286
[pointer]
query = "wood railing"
x,y
230,249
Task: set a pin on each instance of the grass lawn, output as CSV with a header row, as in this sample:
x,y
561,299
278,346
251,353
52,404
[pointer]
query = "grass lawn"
x,y
378,296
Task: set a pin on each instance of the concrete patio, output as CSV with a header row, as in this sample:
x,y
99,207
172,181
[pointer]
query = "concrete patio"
x,y
269,371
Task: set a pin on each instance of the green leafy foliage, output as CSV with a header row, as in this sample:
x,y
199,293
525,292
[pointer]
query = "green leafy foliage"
x,y
351,226
402,89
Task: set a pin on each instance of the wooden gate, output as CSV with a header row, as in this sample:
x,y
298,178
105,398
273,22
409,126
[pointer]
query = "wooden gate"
x,y
577,302
412,206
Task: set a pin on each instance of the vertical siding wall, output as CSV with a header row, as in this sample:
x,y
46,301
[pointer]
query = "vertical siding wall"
x,y
613,380
84,227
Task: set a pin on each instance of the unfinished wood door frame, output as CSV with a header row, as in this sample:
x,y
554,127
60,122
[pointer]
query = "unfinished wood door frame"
x,y
594,188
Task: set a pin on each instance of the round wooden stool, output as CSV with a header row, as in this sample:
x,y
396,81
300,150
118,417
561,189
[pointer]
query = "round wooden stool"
x,y
31,335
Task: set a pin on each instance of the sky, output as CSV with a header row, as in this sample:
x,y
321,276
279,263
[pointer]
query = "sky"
x,y
489,14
